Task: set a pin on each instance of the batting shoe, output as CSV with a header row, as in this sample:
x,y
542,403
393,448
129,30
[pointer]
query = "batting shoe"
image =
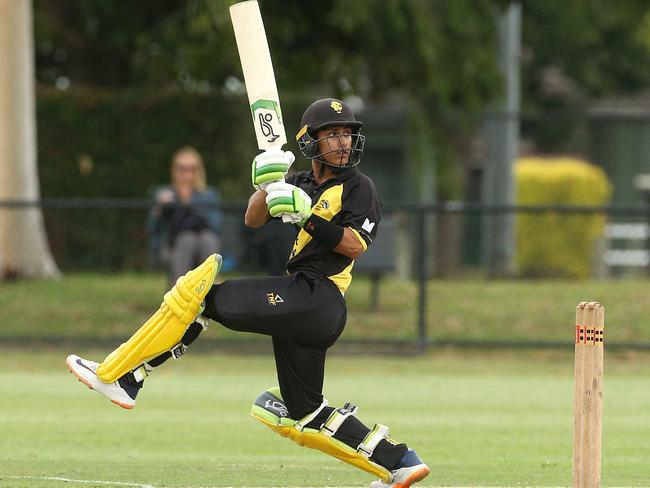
x,y
410,470
119,392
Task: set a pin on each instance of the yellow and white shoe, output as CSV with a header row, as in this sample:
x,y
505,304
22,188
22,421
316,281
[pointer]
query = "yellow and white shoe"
x,y
86,372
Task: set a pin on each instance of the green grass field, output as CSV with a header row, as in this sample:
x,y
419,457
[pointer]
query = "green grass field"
x,y
478,419
112,306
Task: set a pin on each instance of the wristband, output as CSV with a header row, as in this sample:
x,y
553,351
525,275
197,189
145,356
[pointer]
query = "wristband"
x,y
326,232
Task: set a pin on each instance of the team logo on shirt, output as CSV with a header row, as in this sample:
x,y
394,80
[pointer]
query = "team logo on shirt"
x,y
322,205
274,298
367,225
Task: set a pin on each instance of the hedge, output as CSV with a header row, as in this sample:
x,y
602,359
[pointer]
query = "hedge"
x,y
95,143
558,244
117,144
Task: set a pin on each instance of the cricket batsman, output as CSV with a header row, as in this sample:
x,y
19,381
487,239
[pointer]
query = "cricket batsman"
x,y
336,211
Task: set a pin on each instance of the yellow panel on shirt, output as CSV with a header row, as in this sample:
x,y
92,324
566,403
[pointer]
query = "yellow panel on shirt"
x,y
328,205
349,199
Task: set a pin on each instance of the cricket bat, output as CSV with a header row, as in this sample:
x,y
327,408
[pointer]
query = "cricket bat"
x,y
258,74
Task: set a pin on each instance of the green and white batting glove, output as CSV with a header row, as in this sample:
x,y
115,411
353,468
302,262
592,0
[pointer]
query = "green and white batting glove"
x,y
289,202
270,166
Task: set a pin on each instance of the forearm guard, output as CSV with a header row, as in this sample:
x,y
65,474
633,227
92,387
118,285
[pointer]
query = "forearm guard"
x,y
326,232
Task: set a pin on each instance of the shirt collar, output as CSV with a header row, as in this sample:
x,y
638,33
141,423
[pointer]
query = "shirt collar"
x,y
340,177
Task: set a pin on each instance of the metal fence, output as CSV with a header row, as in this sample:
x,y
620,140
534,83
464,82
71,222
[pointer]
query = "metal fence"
x,y
426,280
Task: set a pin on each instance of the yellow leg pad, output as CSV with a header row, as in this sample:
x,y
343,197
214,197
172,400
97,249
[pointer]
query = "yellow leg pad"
x,y
314,439
166,327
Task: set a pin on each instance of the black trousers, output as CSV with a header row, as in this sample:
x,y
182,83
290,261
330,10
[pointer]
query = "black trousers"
x,y
304,316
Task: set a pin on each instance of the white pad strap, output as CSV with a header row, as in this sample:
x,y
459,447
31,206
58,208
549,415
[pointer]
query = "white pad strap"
x,y
367,447
202,320
178,350
300,424
336,419
142,371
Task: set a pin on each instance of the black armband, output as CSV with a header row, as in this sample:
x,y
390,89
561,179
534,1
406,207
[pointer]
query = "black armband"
x,y
326,232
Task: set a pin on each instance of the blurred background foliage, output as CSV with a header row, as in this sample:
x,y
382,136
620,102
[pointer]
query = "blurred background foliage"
x,y
122,84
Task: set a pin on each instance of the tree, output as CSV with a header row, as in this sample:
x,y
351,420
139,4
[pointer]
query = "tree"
x,y
23,245
429,56
584,49
437,57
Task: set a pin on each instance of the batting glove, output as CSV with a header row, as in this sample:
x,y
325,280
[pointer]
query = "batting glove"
x,y
289,202
270,166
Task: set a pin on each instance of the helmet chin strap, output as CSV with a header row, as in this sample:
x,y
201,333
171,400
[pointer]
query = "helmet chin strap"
x,y
322,169
339,169
336,169
333,168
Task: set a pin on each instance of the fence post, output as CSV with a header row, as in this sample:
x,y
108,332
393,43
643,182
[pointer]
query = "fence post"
x,y
502,137
422,279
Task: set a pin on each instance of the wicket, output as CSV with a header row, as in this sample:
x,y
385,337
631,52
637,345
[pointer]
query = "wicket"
x,y
588,400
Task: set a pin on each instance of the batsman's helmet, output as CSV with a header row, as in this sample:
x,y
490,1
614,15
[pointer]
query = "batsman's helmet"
x,y
325,113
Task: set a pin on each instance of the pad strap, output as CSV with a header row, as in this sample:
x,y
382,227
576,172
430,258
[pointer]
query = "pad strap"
x,y
181,348
367,447
178,350
203,321
142,371
336,419
300,424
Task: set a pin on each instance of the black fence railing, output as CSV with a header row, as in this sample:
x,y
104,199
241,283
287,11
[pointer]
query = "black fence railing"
x,y
426,280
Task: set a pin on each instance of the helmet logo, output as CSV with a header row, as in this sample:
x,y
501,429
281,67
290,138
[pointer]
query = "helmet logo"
x,y
336,106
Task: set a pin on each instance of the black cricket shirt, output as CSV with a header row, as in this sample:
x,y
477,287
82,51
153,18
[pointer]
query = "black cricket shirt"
x,y
348,199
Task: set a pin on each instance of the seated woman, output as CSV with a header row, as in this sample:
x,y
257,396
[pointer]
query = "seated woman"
x,y
184,221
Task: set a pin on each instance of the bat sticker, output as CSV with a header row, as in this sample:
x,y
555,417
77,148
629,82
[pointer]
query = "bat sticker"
x,y
267,129
265,112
